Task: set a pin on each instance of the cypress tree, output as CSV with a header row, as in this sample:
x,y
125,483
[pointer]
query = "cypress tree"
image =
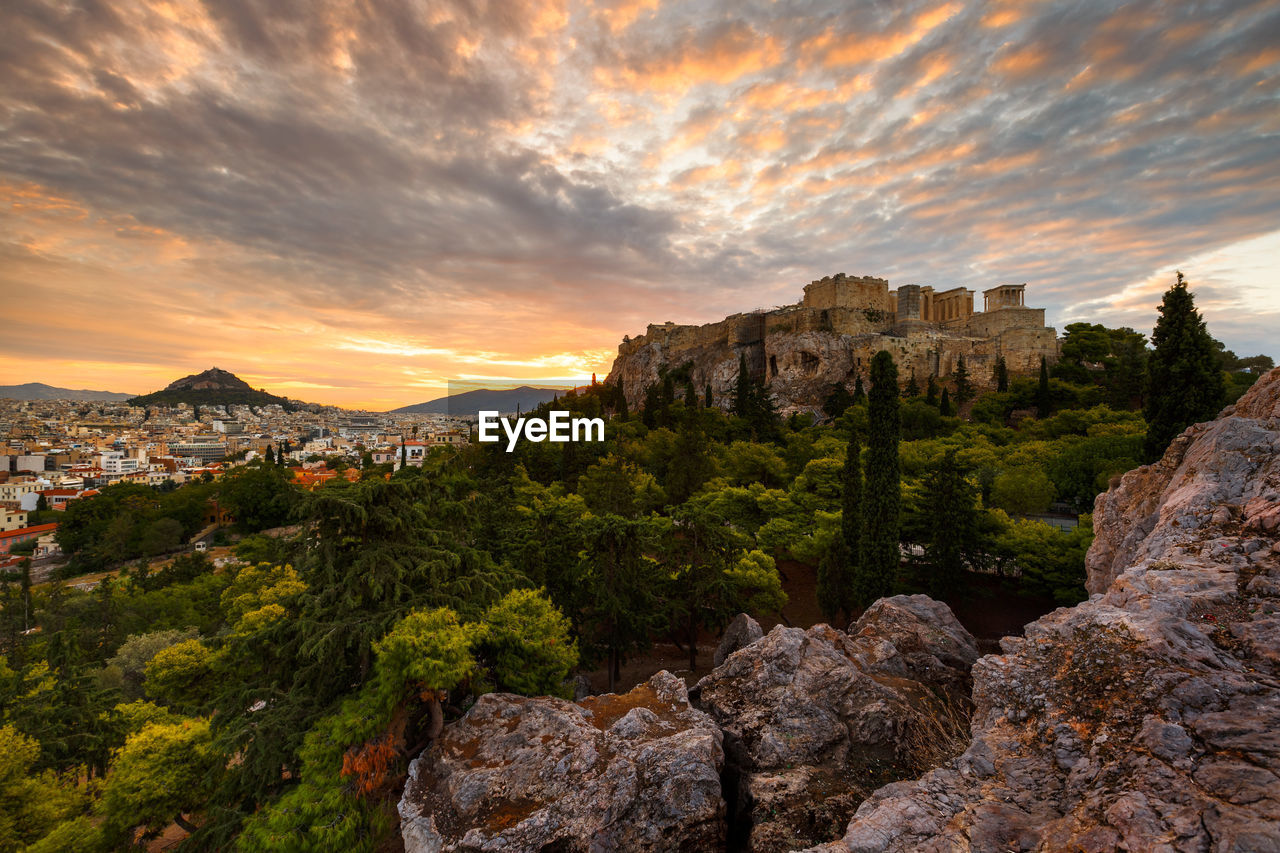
x,y
950,499
690,396
859,392
945,406
708,396
1184,384
271,455
1002,375
913,387
931,392
878,557
964,389
1044,399
835,570
404,452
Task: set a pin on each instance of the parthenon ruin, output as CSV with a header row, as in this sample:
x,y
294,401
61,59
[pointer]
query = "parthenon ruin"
x,y
828,338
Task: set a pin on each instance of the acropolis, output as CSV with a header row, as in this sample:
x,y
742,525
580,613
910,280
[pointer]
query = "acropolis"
x,y
828,338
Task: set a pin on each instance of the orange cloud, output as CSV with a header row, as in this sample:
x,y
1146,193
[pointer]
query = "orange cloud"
x,y
864,48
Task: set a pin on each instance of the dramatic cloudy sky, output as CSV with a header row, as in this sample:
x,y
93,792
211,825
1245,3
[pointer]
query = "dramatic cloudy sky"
x,y
352,202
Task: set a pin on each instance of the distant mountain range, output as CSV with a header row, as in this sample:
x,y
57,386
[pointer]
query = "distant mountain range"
x,y
214,387
484,399
40,391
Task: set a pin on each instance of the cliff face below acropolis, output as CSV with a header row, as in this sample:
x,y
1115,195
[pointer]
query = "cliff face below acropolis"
x,y
804,351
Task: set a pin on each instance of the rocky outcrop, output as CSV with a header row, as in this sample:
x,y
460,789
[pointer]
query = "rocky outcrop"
x,y
1147,718
638,771
813,720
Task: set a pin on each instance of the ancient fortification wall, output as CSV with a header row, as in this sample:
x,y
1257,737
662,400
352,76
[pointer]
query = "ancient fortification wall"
x,y
830,336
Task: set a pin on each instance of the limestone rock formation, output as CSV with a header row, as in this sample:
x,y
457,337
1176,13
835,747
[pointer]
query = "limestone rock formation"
x,y
742,631
814,719
1147,718
638,771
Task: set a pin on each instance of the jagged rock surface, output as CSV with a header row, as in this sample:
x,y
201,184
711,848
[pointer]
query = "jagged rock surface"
x,y
742,631
638,771
1147,718
813,718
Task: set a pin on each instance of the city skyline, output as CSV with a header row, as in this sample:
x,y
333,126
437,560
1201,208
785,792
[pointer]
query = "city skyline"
x,y
355,206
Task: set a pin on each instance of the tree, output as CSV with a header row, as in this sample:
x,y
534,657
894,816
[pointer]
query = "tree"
x,y
1002,375
270,456
859,392
1184,384
835,571
615,486
879,555
182,674
31,803
913,387
707,398
527,644
944,405
260,497
1022,491
837,401
624,605
950,500
931,392
160,774
1044,398
964,388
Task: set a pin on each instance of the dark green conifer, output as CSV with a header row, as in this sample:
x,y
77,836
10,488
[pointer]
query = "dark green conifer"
x,y
964,388
945,405
1184,384
877,565
1044,398
1002,375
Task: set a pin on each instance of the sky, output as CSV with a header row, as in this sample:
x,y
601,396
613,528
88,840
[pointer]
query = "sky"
x,y
353,203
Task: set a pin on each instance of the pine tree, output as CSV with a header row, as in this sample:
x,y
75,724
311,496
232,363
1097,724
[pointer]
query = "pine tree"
x,y
1002,375
859,392
879,556
931,392
964,389
1044,399
913,387
945,405
1184,384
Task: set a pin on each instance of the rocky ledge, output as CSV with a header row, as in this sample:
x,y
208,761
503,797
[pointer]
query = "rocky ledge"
x,y
1148,717
638,771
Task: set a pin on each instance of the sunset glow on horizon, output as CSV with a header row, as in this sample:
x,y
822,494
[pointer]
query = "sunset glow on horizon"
x,y
354,204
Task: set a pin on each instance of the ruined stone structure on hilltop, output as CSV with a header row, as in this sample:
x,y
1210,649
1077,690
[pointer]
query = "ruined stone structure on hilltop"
x,y
830,336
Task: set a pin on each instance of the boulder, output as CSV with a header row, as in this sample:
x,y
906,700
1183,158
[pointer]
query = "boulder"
x,y
638,771
1148,717
814,719
742,631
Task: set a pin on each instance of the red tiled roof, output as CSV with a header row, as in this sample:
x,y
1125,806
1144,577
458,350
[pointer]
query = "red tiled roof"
x,y
27,531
